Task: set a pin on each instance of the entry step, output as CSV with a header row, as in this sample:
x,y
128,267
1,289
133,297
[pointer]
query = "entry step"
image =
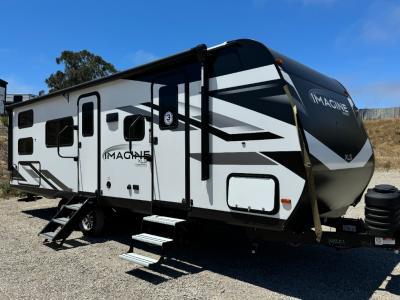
x,y
48,235
61,221
151,239
76,206
163,220
139,259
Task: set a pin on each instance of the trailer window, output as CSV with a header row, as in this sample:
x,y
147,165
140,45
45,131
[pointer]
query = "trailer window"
x,y
25,119
243,55
168,107
87,119
53,128
25,146
137,131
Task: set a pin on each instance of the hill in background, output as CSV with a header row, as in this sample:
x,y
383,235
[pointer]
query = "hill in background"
x,y
385,138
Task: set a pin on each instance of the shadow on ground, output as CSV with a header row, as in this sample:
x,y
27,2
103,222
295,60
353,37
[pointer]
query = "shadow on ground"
x,y
306,272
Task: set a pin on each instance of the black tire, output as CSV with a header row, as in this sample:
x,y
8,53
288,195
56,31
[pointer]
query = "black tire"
x,y
93,223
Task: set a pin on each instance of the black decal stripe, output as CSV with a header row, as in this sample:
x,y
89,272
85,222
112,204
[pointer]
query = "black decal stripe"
x,y
56,180
222,121
249,87
292,160
42,177
236,158
135,110
15,175
230,137
32,174
138,111
267,98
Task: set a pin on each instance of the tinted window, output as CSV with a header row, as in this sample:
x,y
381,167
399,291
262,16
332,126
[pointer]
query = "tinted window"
x,y
137,130
53,128
25,119
168,107
87,119
243,55
225,62
25,146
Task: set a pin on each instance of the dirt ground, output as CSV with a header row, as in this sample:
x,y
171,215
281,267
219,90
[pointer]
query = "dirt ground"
x,y
216,268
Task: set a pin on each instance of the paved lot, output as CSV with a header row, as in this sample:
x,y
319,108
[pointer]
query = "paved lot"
x,y
219,268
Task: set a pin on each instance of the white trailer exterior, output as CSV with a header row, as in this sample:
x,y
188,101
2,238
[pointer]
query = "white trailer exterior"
x,y
218,133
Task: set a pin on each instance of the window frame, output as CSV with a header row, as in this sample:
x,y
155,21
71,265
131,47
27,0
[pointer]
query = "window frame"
x,y
30,124
19,145
126,137
61,145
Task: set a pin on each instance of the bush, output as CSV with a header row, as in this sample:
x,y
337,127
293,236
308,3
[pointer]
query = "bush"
x,y
6,191
4,120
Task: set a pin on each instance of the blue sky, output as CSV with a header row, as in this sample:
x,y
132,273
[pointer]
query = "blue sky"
x,y
357,42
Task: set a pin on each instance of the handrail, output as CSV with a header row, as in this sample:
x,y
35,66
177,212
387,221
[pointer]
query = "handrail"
x,y
58,143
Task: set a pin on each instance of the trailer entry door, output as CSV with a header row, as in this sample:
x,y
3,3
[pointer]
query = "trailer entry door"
x,y
169,150
88,131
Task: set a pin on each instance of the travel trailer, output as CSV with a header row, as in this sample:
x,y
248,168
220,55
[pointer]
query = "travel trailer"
x,y
237,133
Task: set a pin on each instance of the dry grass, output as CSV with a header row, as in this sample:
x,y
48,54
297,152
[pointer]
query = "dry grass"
x,y
385,138
4,120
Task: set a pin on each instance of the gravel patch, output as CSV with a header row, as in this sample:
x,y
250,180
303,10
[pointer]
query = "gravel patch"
x,y
209,268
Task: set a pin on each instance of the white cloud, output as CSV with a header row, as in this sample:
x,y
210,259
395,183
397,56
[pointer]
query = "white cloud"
x,y
141,57
378,94
317,2
380,24
259,3
5,50
16,86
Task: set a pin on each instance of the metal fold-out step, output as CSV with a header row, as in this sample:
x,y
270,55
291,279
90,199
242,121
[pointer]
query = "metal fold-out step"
x,y
139,259
163,220
61,221
66,219
48,235
151,239
160,244
76,206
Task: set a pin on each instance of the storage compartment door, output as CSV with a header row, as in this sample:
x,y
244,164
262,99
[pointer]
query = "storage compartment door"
x,y
253,193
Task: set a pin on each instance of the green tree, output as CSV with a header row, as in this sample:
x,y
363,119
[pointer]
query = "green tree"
x,y
79,67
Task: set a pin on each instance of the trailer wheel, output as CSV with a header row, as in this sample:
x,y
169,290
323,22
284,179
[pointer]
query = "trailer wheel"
x,y
93,223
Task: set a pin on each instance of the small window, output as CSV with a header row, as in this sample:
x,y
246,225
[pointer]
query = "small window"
x,y
168,107
25,146
137,130
87,119
25,119
53,128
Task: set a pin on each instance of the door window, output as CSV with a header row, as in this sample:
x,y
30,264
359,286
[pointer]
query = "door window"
x,y
136,131
87,119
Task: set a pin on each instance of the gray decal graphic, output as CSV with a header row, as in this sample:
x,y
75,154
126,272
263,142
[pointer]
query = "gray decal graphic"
x,y
236,158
